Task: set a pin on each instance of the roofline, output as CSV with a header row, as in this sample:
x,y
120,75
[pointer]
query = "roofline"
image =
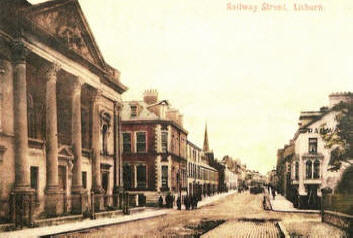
x,y
158,121
197,147
60,47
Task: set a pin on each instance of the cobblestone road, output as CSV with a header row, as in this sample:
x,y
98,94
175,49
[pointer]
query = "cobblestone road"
x,y
246,229
242,214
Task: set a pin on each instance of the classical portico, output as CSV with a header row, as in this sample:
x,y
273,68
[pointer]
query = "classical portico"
x,y
63,90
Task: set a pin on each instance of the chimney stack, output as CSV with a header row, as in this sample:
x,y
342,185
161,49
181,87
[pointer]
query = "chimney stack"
x,y
150,96
336,98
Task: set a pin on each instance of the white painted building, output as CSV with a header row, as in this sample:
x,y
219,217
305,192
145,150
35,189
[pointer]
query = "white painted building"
x,y
308,169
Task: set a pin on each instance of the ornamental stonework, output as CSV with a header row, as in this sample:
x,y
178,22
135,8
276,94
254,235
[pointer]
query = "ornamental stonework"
x,y
64,24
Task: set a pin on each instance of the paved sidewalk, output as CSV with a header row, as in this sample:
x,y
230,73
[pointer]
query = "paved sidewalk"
x,y
86,224
50,230
281,204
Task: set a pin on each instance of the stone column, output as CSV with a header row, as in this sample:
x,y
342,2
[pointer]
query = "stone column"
x,y
54,203
77,189
22,170
22,209
96,147
301,176
118,163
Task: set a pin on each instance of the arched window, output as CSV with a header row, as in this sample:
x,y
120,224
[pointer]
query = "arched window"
x,y
105,120
296,170
105,139
309,169
317,169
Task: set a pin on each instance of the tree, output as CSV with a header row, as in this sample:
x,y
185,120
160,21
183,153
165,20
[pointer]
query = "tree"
x,y
340,140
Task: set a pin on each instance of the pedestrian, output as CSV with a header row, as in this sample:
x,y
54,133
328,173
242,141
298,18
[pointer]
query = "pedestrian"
x,y
273,193
194,202
178,203
160,201
187,202
168,200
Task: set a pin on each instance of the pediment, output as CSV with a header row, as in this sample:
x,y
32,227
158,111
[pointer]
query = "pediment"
x,y
65,151
65,21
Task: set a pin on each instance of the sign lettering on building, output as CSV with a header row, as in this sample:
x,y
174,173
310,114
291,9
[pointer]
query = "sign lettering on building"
x,y
321,130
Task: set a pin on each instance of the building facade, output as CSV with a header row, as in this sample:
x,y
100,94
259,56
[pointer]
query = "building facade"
x,y
59,112
202,178
304,165
154,148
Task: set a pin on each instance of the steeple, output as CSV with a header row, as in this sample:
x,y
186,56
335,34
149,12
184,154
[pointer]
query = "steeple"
x,y
205,142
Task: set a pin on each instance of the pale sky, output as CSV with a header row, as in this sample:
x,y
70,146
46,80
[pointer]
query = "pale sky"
x,y
248,74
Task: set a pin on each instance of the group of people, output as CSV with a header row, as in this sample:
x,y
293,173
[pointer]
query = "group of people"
x,y
190,201
169,201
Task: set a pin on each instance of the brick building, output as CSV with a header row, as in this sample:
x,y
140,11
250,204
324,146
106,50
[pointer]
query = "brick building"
x,y
59,112
154,147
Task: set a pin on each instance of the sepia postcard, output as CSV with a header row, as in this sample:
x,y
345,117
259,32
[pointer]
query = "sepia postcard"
x,y
178,118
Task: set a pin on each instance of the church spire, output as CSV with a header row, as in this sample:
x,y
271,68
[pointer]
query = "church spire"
x,y
205,142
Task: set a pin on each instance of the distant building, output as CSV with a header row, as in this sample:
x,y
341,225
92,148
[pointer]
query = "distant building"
x,y
284,169
231,170
202,177
154,147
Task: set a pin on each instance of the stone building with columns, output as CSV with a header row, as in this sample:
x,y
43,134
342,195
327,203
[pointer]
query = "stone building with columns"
x,y
59,112
154,148
303,166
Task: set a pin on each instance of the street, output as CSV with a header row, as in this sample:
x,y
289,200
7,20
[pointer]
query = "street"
x,y
237,215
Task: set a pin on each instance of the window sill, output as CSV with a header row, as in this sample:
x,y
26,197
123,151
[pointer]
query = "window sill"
x,y
312,181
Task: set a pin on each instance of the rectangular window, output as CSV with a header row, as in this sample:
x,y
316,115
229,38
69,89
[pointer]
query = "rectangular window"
x,y
127,176
309,169
317,169
84,179
313,145
34,180
62,177
141,176
133,111
126,142
141,142
164,176
164,141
